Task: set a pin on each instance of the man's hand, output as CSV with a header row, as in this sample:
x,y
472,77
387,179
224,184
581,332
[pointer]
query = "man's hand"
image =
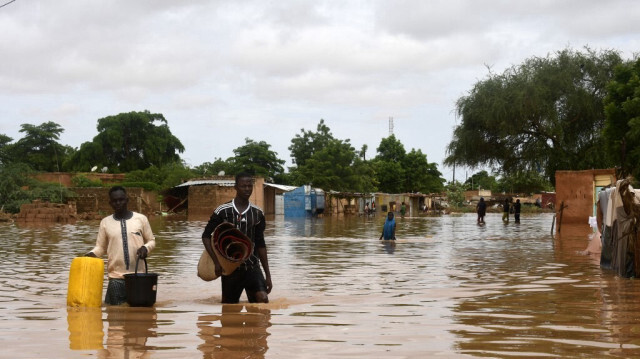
x,y
269,284
142,252
218,269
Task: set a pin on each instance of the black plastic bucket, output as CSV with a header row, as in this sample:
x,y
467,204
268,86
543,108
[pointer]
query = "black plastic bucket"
x,y
141,287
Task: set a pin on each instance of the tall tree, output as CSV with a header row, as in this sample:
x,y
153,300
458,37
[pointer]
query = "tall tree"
x,y
622,109
212,169
256,158
338,167
523,182
5,146
307,143
543,115
388,165
164,177
129,141
481,180
420,174
398,171
40,148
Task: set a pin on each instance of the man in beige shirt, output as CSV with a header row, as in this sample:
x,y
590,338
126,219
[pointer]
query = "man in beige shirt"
x,y
123,237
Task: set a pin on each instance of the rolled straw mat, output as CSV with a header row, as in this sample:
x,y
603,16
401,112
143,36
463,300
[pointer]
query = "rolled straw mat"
x,y
231,247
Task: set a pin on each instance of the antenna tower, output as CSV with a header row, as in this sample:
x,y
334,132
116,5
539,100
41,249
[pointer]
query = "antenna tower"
x,y
390,126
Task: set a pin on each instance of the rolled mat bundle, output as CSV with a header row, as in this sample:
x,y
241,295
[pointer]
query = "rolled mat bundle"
x,y
230,246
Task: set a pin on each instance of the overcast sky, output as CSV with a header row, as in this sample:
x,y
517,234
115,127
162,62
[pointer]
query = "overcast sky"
x,y
223,71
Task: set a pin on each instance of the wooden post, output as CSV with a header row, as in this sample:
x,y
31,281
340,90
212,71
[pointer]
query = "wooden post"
x,y
562,207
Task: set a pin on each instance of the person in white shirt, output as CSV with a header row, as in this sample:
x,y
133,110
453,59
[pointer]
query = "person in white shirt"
x,y
123,236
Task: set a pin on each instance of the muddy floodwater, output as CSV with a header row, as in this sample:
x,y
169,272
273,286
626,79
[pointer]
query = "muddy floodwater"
x,y
448,288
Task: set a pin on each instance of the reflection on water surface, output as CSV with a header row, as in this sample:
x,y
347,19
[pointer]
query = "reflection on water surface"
x,y
447,288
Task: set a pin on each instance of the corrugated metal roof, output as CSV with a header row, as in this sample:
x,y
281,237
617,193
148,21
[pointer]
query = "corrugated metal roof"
x,y
231,183
281,186
225,183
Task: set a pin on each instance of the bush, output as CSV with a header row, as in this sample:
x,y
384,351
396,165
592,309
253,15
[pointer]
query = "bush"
x,y
82,181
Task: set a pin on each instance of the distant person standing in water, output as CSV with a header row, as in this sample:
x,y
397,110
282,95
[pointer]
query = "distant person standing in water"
x,y
403,209
481,209
516,211
505,211
389,228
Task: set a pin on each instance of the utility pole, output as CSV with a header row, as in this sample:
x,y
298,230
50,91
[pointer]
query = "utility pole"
x,y
390,126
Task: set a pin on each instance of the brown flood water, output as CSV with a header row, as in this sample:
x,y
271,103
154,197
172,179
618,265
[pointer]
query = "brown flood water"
x,y
447,289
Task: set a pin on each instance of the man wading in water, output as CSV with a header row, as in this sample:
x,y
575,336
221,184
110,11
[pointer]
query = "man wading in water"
x,y
250,220
122,236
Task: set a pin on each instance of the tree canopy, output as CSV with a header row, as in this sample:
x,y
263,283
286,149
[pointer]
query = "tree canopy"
x,y
337,167
398,171
543,115
307,143
127,142
39,148
622,109
257,159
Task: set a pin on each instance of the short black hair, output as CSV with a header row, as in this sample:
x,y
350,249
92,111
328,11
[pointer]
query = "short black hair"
x,y
116,188
243,175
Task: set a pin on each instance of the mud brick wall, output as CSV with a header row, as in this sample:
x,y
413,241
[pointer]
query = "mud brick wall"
x,y
64,178
96,199
203,199
45,212
577,190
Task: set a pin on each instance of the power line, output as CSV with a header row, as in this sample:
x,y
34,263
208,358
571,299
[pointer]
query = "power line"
x,y
5,4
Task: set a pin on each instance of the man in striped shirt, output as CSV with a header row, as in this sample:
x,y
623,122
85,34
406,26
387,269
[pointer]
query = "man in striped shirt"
x,y
250,220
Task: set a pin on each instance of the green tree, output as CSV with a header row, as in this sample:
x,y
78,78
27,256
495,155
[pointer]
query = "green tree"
x,y
257,159
39,147
5,146
421,175
389,167
622,109
390,176
523,182
212,169
391,149
455,194
546,114
337,167
307,143
17,187
164,177
128,142
481,180
398,171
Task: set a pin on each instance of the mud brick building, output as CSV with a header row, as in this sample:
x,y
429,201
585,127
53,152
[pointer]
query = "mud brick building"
x,y
576,193
45,212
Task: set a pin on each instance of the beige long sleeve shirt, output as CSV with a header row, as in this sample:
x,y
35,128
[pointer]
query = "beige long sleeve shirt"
x,y
110,242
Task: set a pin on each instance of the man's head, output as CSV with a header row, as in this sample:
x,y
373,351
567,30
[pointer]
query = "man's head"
x,y
390,215
244,185
118,199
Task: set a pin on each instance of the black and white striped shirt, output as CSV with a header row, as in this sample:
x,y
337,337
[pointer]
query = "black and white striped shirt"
x,y
251,222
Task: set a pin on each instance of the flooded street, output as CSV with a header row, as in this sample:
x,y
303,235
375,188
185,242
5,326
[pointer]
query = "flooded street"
x,y
448,288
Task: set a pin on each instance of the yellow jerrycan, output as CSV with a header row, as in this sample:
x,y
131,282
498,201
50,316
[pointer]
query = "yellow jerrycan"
x,y
85,282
